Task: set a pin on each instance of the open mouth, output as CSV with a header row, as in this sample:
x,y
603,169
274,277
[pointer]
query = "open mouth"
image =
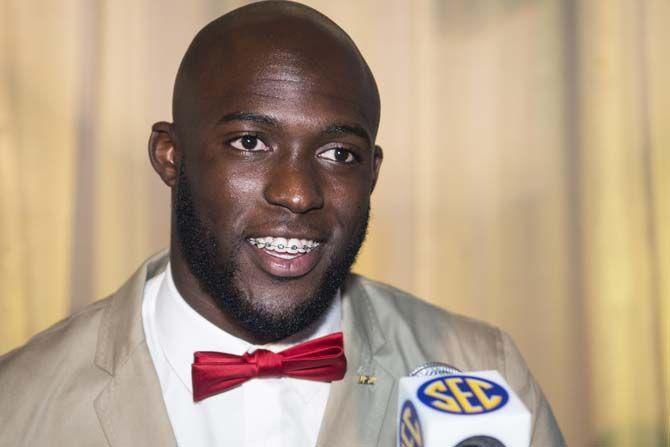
x,y
286,257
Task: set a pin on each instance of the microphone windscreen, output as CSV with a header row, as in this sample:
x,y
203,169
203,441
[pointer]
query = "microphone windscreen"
x,y
473,409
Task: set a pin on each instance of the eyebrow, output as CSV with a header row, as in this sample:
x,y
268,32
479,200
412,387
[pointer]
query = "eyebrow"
x,y
331,130
339,129
247,116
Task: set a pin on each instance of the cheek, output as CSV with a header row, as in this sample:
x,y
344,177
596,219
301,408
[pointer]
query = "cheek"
x,y
228,195
350,203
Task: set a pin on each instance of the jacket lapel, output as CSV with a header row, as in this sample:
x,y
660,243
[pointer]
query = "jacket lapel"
x,y
130,408
356,411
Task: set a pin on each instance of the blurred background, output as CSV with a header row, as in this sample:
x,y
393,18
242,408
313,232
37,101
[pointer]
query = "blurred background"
x,y
526,180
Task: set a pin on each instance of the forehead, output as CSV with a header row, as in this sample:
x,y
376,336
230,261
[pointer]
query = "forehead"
x,y
321,78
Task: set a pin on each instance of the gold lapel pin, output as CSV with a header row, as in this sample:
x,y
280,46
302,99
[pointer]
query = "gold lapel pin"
x,y
367,380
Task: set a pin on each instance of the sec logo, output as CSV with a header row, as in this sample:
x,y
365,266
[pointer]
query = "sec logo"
x,y
464,395
409,431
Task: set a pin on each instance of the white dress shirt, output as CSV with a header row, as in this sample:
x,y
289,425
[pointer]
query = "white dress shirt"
x,y
264,412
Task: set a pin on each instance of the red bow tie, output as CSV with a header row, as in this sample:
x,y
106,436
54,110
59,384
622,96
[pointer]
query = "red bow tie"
x,y
320,359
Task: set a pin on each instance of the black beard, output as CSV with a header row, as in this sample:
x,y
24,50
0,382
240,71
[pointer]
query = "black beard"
x,y
216,275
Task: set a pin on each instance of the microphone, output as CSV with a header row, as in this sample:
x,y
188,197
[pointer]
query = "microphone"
x,y
456,409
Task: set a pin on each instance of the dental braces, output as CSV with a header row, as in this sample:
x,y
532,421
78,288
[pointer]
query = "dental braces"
x,y
306,248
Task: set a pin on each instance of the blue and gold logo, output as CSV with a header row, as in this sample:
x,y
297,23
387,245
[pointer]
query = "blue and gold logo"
x,y
465,395
409,431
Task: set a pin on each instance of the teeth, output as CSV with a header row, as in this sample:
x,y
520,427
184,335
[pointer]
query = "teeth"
x,y
293,245
280,244
289,246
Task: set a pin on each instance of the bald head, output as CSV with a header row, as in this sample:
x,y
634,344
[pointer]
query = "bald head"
x,y
264,44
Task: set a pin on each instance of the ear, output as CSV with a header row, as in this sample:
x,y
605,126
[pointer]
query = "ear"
x,y
377,158
162,152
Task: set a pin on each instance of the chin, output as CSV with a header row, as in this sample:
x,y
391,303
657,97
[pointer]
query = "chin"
x,y
277,294
274,308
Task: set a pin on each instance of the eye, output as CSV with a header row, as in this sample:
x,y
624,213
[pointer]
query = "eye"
x,y
339,155
250,143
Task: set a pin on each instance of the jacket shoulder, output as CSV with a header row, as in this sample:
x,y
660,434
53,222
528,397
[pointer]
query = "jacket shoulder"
x,y
436,332
55,367
385,295
58,340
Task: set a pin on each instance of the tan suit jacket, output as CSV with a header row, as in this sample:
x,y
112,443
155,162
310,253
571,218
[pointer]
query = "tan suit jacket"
x,y
89,380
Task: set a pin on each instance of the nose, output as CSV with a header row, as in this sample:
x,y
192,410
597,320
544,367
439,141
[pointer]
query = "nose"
x,y
294,184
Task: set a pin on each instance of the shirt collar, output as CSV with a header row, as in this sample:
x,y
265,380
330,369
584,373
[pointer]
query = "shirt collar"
x,y
181,331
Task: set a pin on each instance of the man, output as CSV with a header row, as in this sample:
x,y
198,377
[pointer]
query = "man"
x,y
271,162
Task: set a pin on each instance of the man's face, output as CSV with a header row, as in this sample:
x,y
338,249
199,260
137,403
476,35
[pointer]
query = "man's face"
x,y
274,189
